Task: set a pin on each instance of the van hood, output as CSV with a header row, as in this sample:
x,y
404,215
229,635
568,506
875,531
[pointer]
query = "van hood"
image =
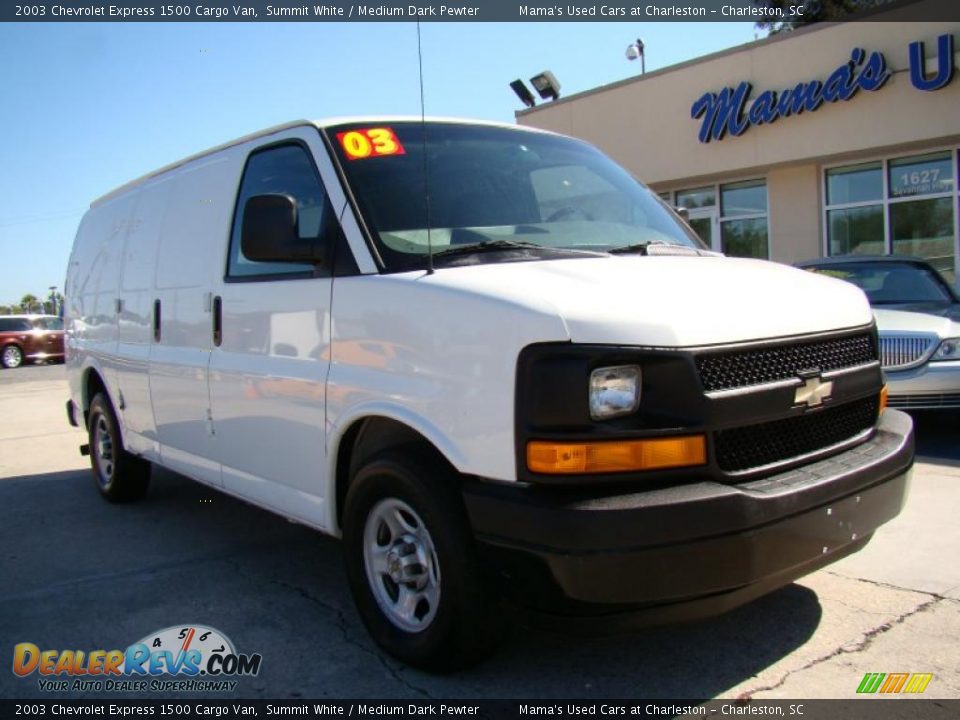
x,y
668,301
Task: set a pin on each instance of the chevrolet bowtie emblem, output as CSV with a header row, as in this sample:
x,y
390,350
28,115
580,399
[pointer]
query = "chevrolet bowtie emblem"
x,y
813,392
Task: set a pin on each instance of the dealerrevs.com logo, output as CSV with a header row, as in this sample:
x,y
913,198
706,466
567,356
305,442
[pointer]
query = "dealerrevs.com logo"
x,y
177,658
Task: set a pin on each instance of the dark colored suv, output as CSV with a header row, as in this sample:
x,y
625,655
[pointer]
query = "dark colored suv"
x,y
30,338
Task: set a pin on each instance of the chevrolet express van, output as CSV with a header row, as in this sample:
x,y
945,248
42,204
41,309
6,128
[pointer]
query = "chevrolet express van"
x,y
492,362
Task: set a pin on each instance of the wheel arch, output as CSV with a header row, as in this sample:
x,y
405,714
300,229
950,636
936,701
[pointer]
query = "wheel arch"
x,y
363,438
93,383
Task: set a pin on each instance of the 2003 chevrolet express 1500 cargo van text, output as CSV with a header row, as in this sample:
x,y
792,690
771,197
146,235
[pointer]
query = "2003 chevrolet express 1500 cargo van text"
x,y
492,362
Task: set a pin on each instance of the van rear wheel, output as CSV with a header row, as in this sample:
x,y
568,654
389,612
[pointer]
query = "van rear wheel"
x,y
412,563
120,476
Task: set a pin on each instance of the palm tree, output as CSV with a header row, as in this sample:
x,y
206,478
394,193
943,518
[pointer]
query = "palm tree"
x,y
28,302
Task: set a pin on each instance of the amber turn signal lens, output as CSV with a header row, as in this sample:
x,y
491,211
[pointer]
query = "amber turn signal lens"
x,y
555,458
883,399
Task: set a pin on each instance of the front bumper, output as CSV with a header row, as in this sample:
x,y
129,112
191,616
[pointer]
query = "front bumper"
x,y
934,385
691,550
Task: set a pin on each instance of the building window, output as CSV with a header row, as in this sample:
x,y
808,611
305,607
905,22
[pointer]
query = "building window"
x,y
855,209
743,219
704,197
901,206
730,218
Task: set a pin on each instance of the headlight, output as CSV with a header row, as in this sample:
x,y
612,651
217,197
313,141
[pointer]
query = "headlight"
x,y
614,391
949,350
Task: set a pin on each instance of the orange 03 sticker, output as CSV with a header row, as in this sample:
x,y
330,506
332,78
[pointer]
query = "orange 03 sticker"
x,y
372,142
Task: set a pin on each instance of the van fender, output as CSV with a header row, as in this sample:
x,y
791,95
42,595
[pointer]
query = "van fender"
x,y
91,364
337,429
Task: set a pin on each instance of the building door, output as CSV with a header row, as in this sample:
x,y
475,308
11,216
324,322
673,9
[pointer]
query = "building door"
x,y
702,213
704,223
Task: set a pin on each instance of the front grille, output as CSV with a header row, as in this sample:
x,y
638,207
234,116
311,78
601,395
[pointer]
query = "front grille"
x,y
740,368
901,351
755,446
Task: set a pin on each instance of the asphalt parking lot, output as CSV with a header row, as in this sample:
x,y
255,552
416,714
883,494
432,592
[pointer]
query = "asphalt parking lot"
x,y
77,572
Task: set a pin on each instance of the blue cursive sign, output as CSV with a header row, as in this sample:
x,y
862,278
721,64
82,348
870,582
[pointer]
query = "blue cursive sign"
x,y
727,110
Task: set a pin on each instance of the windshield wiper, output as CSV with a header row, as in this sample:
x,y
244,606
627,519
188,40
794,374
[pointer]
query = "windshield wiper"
x,y
504,244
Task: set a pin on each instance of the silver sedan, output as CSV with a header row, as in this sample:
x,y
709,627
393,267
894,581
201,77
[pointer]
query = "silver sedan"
x,y
918,319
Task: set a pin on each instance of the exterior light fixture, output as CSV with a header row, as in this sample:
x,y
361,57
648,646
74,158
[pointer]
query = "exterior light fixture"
x,y
526,97
546,84
634,51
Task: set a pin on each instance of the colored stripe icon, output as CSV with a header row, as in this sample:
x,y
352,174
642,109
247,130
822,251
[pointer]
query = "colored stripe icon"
x,y
890,683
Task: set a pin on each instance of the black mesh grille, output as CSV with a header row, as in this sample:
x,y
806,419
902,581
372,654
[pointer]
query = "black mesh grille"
x,y
739,368
753,446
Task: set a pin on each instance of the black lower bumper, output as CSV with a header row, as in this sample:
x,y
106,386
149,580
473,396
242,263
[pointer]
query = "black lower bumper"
x,y
691,550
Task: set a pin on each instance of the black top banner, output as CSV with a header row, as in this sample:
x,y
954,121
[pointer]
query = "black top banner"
x,y
450,11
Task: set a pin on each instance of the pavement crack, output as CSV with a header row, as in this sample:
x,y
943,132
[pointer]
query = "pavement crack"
x,y
851,648
888,586
342,623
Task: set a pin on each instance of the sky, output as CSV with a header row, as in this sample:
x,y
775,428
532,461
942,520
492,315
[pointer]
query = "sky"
x,y
87,107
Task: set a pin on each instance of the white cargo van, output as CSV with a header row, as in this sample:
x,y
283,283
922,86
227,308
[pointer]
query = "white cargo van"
x,y
492,362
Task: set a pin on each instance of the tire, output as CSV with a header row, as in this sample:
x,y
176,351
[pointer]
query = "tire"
x,y
119,476
412,563
11,357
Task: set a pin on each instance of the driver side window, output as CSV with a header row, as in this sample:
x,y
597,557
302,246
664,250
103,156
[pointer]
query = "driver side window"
x,y
286,170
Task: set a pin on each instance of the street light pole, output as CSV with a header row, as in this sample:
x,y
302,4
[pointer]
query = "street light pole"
x,y
636,50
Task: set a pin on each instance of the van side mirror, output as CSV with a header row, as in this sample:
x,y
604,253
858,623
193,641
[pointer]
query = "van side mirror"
x,y
269,232
683,212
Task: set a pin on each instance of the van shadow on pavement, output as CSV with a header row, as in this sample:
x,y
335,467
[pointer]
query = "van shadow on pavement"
x,y
81,573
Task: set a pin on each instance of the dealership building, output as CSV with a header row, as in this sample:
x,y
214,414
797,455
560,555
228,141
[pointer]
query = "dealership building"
x,y
827,140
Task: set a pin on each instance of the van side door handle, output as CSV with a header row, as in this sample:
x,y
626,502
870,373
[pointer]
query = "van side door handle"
x,y
156,320
217,320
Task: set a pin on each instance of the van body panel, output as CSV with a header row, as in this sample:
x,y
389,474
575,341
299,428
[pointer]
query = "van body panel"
x,y
135,331
93,281
189,265
415,343
267,390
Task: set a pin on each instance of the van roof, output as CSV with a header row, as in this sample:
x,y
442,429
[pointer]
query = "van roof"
x,y
320,124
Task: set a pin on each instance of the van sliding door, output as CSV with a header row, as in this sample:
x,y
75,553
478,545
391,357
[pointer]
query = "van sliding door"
x,y
188,265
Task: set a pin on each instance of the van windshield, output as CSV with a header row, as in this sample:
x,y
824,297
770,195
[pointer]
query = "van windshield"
x,y
495,194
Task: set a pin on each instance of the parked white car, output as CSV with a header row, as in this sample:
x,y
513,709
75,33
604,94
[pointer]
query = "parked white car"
x,y
489,360
918,318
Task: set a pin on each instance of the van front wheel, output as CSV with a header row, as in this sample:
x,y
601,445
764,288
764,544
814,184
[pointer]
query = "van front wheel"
x,y
412,564
120,476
